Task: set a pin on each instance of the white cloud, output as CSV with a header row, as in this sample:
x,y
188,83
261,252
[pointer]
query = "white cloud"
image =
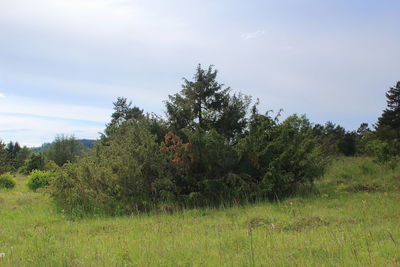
x,y
252,35
94,20
2,95
24,105
100,49
145,96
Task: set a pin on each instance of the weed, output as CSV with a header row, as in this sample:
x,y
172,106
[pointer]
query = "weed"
x,y
306,223
364,188
344,228
258,222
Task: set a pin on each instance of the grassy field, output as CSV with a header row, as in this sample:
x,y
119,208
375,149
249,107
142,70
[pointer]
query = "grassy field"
x,y
353,221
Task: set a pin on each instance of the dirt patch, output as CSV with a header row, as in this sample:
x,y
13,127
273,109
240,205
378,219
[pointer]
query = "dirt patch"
x,y
364,188
258,222
23,201
306,223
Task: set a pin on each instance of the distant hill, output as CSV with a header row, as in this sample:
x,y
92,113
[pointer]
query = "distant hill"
x,y
88,143
40,148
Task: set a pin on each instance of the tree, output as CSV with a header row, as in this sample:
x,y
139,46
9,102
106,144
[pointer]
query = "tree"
x,y
22,155
123,112
206,104
36,161
331,137
388,126
279,157
13,149
64,149
4,160
16,155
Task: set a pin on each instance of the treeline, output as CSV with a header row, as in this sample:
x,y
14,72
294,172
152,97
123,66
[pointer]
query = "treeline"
x,y
17,159
213,147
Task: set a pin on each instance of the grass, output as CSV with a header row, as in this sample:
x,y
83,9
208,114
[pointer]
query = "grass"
x,y
354,221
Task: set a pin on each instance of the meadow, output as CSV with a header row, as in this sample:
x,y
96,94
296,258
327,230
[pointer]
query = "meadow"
x,y
350,219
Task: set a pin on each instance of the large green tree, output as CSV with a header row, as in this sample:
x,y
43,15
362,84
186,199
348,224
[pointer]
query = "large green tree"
x,y
388,126
206,104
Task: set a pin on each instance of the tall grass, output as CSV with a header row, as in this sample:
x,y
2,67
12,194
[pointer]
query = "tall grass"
x,y
352,221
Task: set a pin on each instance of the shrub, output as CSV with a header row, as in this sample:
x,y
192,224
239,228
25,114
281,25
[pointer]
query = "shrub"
x,y
7,181
125,173
380,150
280,156
130,171
39,179
35,162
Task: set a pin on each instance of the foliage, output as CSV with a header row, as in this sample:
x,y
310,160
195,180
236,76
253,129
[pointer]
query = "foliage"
x,y
21,157
280,156
388,126
208,152
335,140
39,179
384,151
346,224
205,104
205,169
123,112
4,164
17,155
13,149
7,181
64,149
36,161
127,173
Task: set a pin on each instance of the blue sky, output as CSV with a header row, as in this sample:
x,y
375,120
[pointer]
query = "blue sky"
x,y
63,62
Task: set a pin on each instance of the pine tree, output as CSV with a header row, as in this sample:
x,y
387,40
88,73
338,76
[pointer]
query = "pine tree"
x,y
388,126
123,112
206,104
4,161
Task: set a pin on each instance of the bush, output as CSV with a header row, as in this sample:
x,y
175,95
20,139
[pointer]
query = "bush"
x,y
280,157
39,179
130,171
35,162
7,181
125,173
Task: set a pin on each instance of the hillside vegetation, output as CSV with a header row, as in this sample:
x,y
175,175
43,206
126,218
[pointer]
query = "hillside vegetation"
x,y
349,219
215,182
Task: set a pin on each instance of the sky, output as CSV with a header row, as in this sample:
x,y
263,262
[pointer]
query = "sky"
x,y
64,62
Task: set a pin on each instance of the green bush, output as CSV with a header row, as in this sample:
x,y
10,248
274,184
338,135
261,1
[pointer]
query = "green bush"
x,y
130,171
39,179
36,161
7,181
280,157
125,173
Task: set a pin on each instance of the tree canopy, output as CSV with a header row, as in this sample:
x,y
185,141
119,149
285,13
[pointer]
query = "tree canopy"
x,y
388,126
206,104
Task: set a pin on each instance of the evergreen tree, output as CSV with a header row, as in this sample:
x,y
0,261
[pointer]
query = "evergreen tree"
x,y
36,161
22,155
4,160
206,104
64,149
13,149
123,111
388,126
